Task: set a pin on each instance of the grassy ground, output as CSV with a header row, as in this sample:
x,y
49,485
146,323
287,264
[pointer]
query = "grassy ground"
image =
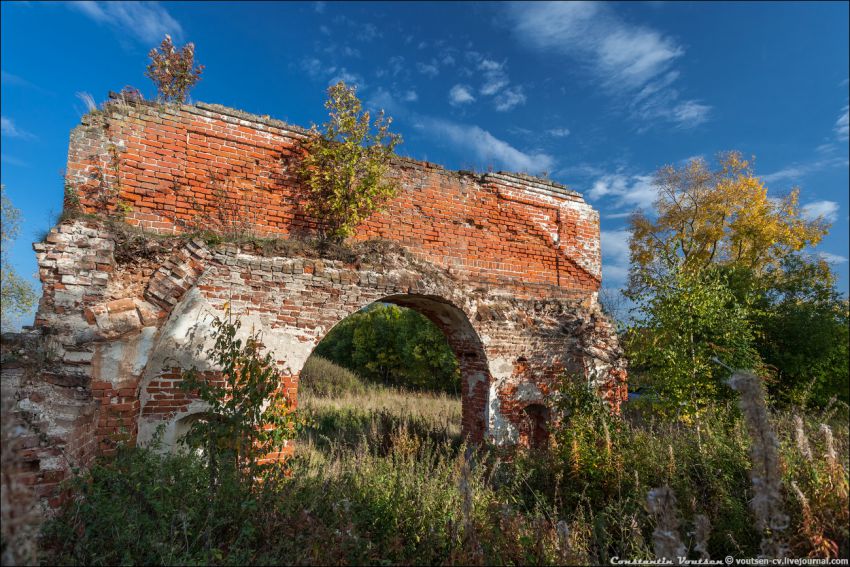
x,y
381,476
368,417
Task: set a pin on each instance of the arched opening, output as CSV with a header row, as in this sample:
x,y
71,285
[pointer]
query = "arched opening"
x,y
410,361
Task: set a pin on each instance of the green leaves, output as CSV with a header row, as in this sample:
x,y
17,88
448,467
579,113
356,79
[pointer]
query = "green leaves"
x,y
688,320
395,346
16,294
249,414
344,167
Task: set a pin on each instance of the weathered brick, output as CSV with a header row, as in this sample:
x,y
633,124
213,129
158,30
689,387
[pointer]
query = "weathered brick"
x,y
507,265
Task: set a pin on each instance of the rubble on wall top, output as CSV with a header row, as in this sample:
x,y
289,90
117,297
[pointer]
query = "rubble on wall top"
x,y
524,180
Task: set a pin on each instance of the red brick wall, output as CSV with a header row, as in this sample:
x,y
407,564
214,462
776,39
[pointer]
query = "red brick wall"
x,y
225,170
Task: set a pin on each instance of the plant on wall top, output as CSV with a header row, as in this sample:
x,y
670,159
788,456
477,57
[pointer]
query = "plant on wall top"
x,y
345,165
173,70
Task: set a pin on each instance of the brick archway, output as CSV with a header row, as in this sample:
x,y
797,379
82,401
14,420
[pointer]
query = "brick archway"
x,y
295,302
466,345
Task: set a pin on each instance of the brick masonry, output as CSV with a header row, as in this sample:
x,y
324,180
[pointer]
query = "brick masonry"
x,y
507,265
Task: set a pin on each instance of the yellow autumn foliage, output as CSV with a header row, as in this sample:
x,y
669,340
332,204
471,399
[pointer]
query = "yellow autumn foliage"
x,y
719,215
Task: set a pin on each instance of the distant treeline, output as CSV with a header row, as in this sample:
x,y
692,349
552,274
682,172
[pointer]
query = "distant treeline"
x,y
395,346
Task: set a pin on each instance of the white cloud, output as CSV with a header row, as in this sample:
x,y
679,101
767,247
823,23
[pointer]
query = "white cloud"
x,y
830,258
581,170
396,64
312,67
8,129
410,96
486,147
346,77
428,69
349,51
10,79
615,244
367,32
635,191
828,210
800,170
384,100
320,7
615,255
631,62
509,98
495,78
148,22
690,113
496,83
619,215
842,126
10,160
316,69
558,132
460,94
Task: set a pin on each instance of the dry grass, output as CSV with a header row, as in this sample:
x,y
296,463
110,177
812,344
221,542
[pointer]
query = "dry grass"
x,y
372,418
439,410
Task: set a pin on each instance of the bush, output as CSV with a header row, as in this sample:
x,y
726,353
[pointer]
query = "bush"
x,y
321,377
345,165
173,71
249,415
689,320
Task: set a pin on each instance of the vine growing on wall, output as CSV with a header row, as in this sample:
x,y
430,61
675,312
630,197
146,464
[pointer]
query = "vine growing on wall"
x,y
346,163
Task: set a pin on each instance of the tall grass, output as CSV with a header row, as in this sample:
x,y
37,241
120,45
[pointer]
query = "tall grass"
x,y
321,377
381,477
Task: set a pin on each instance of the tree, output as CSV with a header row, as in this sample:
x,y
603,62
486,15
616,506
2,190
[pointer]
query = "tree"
x,y
173,71
719,216
688,321
248,415
801,326
716,231
17,296
345,166
394,346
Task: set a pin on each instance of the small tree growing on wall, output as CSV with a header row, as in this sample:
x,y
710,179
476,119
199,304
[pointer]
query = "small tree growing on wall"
x,y
345,165
173,70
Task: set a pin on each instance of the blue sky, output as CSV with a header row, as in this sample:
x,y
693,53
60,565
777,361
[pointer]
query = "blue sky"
x,y
596,95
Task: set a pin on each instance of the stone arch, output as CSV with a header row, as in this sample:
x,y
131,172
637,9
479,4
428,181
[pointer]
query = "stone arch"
x,y
295,302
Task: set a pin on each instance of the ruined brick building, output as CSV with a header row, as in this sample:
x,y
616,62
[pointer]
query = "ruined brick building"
x,y
507,265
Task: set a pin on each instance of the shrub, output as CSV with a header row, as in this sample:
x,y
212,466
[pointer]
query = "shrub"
x,y
681,327
249,414
322,377
345,166
173,70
